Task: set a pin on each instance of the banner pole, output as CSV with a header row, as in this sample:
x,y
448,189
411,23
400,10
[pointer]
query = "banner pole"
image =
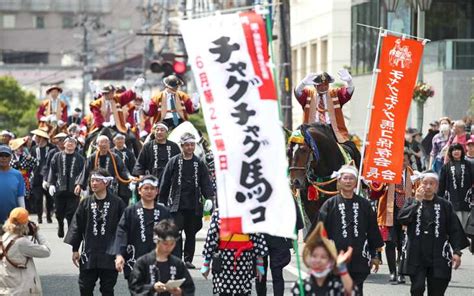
x,y
375,71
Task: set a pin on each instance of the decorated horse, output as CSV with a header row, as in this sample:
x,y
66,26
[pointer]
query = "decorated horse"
x,y
313,156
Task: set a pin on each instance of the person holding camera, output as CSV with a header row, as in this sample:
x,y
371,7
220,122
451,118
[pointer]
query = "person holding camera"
x,y
20,243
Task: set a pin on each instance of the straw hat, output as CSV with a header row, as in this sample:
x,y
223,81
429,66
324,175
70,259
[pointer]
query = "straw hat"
x,y
17,143
54,87
318,238
40,133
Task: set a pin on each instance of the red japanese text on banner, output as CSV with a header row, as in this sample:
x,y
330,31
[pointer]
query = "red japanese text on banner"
x,y
230,62
399,62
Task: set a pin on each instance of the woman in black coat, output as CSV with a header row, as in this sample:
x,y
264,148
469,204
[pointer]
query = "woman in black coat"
x,y
455,182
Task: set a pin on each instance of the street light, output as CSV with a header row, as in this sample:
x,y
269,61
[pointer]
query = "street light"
x,y
391,5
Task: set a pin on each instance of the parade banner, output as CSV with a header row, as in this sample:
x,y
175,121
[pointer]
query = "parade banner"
x,y
230,62
398,69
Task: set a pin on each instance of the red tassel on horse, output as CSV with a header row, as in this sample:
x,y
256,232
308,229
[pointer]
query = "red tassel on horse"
x,y
313,193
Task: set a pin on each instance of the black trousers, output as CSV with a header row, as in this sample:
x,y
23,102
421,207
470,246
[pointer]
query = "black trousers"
x,y
66,205
279,258
88,278
359,279
190,223
436,286
38,194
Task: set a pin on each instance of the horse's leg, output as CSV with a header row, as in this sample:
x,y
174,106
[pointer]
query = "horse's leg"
x,y
133,143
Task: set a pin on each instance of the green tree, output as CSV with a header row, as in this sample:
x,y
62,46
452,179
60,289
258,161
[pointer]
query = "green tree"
x,y
17,107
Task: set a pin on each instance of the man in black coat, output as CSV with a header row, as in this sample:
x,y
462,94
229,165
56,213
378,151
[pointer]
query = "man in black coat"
x,y
94,226
184,181
434,241
350,221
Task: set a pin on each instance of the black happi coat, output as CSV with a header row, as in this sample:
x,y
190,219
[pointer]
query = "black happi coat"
x,y
134,236
170,186
455,183
128,159
63,177
39,153
153,158
97,237
438,235
363,236
49,157
146,274
90,166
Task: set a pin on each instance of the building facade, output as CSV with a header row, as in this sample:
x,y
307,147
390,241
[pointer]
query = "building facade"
x,y
320,40
448,63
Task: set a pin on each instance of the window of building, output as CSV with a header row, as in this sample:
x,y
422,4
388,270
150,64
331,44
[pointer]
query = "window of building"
x,y
303,61
363,39
68,21
8,21
25,57
38,21
313,58
324,55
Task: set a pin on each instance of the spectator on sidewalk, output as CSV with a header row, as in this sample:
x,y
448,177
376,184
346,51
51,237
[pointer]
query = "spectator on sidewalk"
x,y
438,150
427,142
21,243
11,183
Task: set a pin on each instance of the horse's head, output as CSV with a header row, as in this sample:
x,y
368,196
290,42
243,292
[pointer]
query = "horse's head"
x,y
299,156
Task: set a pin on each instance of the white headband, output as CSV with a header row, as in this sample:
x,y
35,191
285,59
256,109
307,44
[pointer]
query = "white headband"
x,y
417,176
159,124
188,140
345,170
148,181
100,177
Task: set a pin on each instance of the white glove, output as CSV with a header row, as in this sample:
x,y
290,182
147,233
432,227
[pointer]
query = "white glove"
x,y
208,205
309,79
146,94
138,84
344,75
132,186
195,100
94,89
45,185
128,125
143,134
60,122
44,118
106,124
52,118
112,121
52,190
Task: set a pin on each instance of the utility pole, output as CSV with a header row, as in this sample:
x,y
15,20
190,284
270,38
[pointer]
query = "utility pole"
x,y
86,74
284,73
148,52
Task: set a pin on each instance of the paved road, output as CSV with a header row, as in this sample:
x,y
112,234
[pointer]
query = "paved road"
x,y
59,276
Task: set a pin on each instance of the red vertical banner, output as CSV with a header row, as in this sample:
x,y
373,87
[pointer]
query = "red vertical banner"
x,y
399,62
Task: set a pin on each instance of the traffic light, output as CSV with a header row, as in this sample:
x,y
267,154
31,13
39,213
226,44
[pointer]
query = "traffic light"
x,y
169,64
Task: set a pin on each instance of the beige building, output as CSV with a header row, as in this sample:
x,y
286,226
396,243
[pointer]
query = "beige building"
x,y
320,40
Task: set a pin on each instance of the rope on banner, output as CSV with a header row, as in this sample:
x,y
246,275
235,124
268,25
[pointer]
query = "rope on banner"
x,y
425,40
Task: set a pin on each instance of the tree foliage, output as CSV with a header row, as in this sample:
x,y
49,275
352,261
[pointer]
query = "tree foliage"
x,y
17,107
197,120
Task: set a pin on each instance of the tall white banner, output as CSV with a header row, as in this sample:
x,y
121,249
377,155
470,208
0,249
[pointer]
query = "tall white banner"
x,y
229,58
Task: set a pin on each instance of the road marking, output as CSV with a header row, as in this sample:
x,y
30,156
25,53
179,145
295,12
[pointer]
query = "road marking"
x,y
293,270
